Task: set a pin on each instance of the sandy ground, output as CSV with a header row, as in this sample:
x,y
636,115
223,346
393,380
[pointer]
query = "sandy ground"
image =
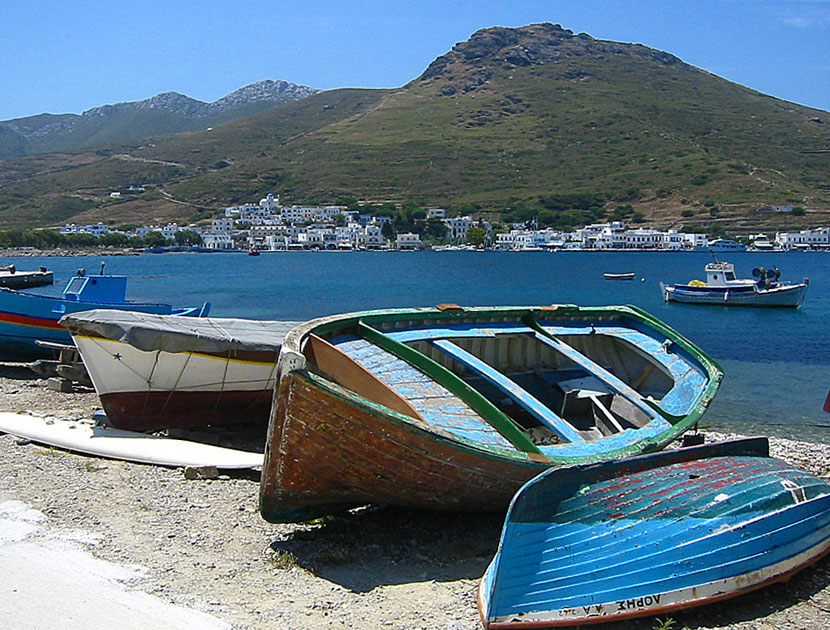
x,y
202,544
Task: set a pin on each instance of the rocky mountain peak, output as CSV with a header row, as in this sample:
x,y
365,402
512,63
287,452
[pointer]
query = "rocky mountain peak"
x,y
274,91
266,90
531,45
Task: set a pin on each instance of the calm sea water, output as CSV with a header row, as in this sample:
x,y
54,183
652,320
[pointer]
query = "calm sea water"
x,y
777,361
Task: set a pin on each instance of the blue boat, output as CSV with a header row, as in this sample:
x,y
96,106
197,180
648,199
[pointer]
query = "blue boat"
x,y
651,534
26,318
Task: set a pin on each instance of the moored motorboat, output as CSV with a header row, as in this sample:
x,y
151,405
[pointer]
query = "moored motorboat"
x,y
723,287
455,408
652,534
13,278
162,371
722,245
29,317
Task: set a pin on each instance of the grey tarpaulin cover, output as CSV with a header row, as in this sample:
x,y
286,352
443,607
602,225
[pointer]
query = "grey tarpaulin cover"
x,y
173,333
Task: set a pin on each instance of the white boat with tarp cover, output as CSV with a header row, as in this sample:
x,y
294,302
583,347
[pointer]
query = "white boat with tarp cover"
x,y
160,371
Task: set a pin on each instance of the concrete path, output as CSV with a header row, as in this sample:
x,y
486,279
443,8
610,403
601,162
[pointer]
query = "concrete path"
x,y
49,580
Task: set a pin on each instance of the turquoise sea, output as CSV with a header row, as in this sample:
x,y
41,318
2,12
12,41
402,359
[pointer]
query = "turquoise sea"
x,y
777,361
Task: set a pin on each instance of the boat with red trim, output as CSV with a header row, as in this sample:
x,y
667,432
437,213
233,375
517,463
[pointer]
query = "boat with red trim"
x,y
29,317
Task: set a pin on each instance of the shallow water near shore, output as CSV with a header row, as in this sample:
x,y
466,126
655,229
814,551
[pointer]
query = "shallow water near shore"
x,y
777,361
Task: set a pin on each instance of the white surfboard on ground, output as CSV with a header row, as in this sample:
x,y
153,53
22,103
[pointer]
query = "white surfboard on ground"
x,y
84,436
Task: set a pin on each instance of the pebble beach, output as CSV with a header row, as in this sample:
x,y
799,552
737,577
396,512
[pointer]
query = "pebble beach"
x,y
201,546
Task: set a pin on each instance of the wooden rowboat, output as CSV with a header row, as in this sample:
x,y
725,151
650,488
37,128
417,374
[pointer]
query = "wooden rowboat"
x,y
652,534
455,408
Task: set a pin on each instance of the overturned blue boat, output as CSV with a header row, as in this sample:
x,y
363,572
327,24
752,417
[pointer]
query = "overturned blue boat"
x,y
651,534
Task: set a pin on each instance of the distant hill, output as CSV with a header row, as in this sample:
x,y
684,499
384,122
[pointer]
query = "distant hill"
x,y
169,112
517,123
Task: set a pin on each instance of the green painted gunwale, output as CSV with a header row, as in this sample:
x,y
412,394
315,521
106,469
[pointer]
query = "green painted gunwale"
x,y
365,324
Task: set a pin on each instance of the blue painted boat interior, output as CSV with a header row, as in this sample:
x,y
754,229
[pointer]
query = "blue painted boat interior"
x,y
442,410
562,387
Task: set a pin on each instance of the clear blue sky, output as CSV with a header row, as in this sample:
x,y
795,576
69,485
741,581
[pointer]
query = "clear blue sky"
x,y
63,56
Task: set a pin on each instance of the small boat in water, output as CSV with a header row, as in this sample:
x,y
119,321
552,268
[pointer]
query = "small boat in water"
x,y
721,245
29,317
455,408
13,278
619,276
722,287
162,371
652,534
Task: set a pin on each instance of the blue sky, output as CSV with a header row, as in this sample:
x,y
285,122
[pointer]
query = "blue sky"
x,y
67,56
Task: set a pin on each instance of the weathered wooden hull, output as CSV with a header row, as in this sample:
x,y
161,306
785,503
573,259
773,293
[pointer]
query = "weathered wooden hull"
x,y
327,452
652,534
381,413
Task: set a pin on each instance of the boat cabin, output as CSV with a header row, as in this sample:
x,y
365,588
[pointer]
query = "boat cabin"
x,y
100,289
722,274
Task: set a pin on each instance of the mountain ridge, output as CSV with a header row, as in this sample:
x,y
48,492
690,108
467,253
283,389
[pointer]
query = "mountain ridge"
x,y
167,112
518,122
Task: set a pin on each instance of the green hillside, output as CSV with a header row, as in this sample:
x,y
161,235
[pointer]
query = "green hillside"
x,y
530,121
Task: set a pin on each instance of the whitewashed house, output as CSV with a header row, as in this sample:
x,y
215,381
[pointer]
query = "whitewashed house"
x,y
818,238
459,226
408,240
217,241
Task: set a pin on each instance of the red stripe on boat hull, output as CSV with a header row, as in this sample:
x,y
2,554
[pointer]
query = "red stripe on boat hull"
x,y
35,322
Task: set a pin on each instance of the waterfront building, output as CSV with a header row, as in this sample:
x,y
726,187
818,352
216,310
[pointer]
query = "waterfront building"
x,y
642,238
818,238
459,226
371,237
609,236
672,240
221,226
408,240
169,231
217,241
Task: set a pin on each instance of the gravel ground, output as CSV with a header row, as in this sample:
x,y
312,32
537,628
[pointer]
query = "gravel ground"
x,y
205,545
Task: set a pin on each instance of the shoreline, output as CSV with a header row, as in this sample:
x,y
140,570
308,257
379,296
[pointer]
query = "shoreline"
x,y
127,251
203,544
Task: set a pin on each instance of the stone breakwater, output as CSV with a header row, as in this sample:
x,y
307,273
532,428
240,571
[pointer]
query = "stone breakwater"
x,y
202,543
